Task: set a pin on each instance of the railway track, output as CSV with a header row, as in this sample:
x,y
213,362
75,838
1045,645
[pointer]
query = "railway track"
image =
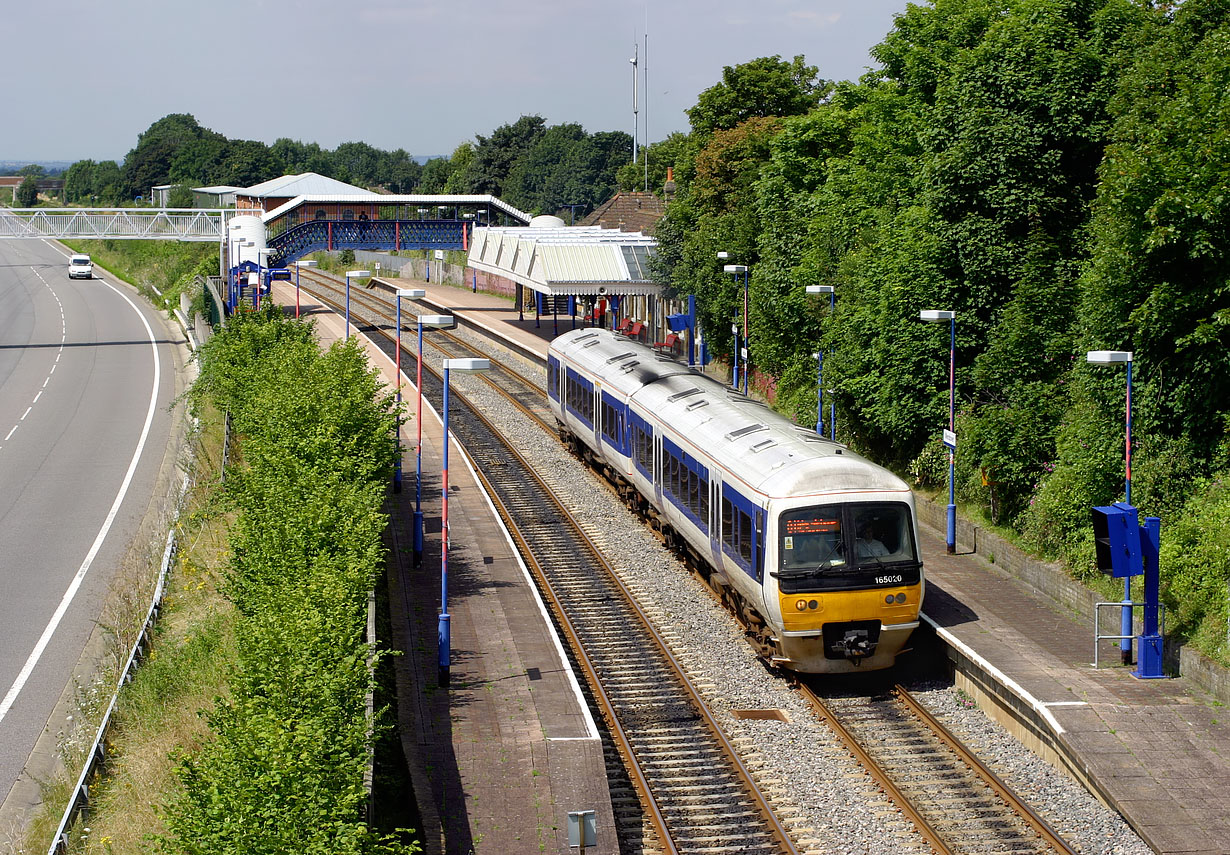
x,y
956,803
690,784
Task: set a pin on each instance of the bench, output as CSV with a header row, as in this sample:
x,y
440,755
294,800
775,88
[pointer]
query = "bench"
x,y
634,331
669,344
623,326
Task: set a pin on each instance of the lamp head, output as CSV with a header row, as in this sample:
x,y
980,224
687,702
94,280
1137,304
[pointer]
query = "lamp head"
x,y
820,289
1108,357
467,366
439,322
411,293
734,268
357,274
933,315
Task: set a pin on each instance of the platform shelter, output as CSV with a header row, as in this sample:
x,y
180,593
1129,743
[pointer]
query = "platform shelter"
x,y
600,274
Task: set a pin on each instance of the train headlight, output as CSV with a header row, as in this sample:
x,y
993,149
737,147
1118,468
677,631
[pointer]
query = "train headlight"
x,y
901,597
801,605
813,604
890,599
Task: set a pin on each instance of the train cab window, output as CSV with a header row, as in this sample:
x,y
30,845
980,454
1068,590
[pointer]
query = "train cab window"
x,y
320,214
846,546
348,215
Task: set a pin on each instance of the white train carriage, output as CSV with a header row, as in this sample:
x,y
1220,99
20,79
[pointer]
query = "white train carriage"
x,y
813,545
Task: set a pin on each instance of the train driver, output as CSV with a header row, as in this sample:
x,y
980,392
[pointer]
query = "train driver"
x,y
866,544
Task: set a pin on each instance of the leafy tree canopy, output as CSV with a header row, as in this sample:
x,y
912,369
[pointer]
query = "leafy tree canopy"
x,y
767,86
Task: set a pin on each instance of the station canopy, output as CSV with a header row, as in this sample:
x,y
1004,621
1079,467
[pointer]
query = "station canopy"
x,y
567,260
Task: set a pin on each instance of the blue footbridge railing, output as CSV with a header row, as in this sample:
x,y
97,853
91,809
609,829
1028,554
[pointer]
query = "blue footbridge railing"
x,y
381,235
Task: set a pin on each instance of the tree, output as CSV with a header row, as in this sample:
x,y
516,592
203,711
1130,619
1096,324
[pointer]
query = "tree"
x,y
662,154
248,162
27,192
436,173
494,156
767,86
34,170
149,163
180,197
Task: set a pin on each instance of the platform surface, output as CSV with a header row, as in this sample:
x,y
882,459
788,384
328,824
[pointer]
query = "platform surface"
x,y
507,750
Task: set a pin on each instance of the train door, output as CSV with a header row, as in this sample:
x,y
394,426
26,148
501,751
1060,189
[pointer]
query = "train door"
x,y
715,519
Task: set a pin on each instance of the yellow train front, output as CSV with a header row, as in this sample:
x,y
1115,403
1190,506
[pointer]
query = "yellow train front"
x,y
814,547
846,584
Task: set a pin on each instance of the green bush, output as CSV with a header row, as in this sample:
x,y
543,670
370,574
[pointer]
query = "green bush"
x,y
284,771
1195,567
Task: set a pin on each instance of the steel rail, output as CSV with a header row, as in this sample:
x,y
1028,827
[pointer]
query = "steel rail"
x,y
751,789
1009,797
646,623
877,773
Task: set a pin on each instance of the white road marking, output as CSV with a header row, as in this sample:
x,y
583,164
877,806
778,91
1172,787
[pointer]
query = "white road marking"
x,y
36,654
10,436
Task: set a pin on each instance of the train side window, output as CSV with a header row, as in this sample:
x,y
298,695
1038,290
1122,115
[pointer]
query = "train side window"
x,y
728,530
745,537
704,497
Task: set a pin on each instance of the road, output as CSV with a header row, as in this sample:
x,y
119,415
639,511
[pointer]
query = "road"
x,y
87,372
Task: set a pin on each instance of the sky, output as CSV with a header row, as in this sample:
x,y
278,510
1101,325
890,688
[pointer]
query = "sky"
x,y
422,75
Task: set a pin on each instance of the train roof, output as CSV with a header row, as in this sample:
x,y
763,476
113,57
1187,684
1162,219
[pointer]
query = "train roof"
x,y
756,444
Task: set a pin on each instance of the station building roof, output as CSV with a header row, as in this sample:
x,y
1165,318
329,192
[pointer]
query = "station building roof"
x,y
576,260
409,199
298,185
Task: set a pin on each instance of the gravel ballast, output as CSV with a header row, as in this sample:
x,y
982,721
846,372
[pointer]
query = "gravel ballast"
x,y
824,797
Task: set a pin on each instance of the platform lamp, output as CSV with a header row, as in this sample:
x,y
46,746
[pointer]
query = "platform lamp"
x,y
240,244
233,240
950,436
425,322
307,262
832,292
465,366
409,294
352,274
260,272
741,270
472,222
1122,357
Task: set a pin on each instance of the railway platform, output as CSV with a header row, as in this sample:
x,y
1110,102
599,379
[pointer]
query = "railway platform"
x,y
1158,751
500,757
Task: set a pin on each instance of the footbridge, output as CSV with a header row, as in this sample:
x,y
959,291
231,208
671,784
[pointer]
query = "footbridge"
x,y
300,226
186,224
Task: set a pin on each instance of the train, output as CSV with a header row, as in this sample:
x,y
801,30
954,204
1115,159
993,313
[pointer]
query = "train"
x,y
812,546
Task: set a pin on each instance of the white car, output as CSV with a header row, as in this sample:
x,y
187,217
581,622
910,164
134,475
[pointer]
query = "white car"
x,y
80,267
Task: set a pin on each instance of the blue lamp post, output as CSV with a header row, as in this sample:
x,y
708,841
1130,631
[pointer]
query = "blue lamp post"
x,y
263,252
352,274
466,366
1124,357
950,435
298,265
410,294
741,270
424,322
832,292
